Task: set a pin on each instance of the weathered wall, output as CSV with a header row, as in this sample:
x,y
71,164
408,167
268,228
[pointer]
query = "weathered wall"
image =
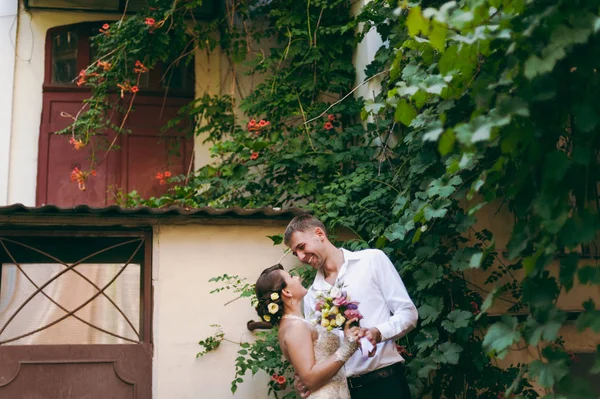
x,y
185,258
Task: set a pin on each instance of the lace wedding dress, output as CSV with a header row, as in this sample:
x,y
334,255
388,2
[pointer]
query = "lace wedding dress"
x,y
325,345
337,388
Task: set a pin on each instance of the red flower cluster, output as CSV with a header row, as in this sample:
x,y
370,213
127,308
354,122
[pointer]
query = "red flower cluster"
x,y
80,177
163,176
279,379
254,155
105,65
125,87
573,358
402,351
257,127
329,124
139,67
475,307
77,144
105,28
150,21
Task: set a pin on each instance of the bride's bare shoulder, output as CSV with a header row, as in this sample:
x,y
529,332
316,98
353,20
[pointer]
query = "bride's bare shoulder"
x,y
294,329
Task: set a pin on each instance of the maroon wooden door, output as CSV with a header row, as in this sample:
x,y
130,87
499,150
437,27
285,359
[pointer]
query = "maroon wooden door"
x,y
75,315
143,153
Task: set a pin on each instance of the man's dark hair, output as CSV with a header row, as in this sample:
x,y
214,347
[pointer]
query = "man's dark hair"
x,y
302,223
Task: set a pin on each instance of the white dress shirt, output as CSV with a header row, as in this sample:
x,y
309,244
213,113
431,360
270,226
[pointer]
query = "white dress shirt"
x,y
371,279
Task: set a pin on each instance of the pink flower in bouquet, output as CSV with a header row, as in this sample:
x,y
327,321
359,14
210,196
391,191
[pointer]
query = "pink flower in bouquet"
x,y
341,300
352,314
319,305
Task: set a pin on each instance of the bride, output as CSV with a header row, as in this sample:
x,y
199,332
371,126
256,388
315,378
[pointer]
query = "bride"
x,y
318,356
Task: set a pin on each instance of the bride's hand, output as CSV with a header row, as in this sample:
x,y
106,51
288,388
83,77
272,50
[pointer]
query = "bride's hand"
x,y
351,332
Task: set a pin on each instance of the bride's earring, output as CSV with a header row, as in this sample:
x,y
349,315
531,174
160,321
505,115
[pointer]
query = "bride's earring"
x,y
293,302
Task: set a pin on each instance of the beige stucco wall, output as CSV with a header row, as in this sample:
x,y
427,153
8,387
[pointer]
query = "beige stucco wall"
x,y
8,36
27,98
185,258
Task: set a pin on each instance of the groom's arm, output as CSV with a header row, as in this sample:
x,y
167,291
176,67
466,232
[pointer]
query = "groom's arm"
x,y
404,313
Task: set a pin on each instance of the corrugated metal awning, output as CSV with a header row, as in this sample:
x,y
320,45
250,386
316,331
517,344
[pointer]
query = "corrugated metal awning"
x,y
84,214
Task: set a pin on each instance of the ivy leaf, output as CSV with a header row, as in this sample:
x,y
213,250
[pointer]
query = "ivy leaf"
x,y
396,231
428,275
434,131
437,36
546,330
589,318
547,374
426,338
488,302
431,309
439,188
535,66
446,143
405,113
416,23
448,352
432,213
568,267
457,319
501,336
466,258
540,291
596,367
588,274
423,367
579,229
277,239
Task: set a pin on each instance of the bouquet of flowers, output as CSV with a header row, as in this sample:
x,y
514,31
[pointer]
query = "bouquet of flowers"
x,y
334,308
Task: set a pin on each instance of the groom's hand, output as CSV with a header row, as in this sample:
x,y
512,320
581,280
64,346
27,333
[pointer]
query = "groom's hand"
x,y
300,387
374,337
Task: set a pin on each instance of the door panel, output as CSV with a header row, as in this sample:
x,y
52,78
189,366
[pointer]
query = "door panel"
x,y
144,152
91,372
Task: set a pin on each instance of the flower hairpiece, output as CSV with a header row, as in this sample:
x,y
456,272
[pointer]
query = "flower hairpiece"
x,y
267,318
274,296
273,308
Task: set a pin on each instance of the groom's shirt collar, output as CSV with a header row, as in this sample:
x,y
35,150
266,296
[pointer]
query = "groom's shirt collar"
x,y
349,257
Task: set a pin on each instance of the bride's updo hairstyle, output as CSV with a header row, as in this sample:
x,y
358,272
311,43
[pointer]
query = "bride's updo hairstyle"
x,y
268,293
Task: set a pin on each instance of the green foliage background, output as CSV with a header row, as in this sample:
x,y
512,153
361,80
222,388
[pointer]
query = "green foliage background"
x,y
483,103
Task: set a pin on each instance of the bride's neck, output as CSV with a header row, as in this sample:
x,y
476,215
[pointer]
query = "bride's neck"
x,y
295,310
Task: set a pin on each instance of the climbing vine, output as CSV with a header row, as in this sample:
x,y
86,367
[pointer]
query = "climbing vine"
x,y
485,106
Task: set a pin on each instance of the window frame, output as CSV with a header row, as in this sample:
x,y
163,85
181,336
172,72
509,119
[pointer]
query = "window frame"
x,y
146,288
84,53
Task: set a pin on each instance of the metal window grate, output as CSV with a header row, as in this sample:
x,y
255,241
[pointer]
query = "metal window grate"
x,y
86,294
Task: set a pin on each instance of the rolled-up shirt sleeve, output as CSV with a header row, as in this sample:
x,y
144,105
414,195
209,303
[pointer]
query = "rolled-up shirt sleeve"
x,y
404,315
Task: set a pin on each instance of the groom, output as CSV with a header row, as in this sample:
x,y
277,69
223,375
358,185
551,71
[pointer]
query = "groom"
x,y
371,279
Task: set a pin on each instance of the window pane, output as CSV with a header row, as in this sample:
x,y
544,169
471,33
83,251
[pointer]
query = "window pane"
x,y
64,57
179,77
70,291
